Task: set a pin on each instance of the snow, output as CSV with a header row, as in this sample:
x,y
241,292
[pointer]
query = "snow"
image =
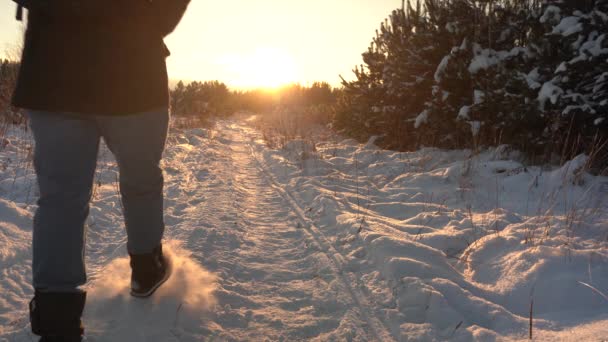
x,y
568,26
549,92
600,82
584,108
561,68
441,68
532,79
463,113
603,16
475,127
591,48
445,95
552,13
327,239
422,118
451,27
478,96
594,47
487,58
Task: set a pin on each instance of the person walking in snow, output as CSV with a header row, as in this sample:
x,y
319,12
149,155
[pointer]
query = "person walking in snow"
x,y
93,69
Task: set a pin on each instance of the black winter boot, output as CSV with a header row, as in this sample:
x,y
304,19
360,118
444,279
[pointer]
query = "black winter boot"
x,y
56,316
149,272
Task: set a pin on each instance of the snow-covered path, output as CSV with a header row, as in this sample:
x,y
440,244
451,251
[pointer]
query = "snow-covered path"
x,y
333,241
273,278
275,281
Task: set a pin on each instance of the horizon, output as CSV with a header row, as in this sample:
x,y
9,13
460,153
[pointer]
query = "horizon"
x,y
173,83
264,45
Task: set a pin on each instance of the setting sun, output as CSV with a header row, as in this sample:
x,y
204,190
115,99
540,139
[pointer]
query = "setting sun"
x,y
263,67
272,42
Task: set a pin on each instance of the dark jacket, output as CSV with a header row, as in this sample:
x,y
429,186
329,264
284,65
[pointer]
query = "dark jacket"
x,y
104,57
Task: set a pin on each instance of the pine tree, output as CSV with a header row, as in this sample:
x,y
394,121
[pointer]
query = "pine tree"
x,y
577,39
469,73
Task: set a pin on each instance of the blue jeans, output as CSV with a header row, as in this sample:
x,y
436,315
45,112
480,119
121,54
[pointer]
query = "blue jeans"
x,y
65,157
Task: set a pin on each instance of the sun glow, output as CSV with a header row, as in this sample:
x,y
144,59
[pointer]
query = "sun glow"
x,y
263,68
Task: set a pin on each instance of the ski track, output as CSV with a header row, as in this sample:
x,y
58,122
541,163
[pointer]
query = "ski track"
x,y
378,327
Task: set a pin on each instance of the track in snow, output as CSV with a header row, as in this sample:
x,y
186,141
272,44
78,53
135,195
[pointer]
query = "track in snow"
x,y
378,328
279,278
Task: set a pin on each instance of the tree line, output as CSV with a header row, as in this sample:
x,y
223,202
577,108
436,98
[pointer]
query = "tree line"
x,y
204,99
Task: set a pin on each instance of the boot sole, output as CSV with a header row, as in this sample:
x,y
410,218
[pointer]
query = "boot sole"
x,y
158,284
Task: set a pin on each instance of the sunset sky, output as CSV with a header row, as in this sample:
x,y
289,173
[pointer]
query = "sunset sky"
x,y
247,43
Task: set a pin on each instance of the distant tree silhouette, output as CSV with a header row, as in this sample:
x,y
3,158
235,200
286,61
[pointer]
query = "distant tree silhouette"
x,y
205,99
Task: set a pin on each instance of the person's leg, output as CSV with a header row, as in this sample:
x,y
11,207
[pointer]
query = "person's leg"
x,y
65,157
137,141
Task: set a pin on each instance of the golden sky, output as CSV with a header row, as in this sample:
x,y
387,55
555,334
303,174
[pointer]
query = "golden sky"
x,y
252,43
